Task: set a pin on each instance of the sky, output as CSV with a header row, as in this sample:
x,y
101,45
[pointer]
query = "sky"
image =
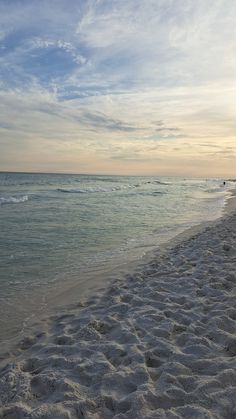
x,y
118,86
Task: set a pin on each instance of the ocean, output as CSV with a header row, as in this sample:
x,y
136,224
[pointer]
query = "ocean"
x,y
61,234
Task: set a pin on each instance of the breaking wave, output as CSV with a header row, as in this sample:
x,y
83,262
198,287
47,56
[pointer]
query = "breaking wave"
x,y
97,189
13,199
90,190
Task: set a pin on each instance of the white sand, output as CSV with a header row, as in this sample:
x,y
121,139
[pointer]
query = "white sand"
x,y
161,344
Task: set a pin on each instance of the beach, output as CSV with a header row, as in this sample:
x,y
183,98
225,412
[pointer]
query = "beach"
x,y
161,343
64,236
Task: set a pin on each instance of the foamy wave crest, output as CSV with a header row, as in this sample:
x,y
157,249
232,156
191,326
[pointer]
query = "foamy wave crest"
x,y
220,188
157,182
90,190
13,199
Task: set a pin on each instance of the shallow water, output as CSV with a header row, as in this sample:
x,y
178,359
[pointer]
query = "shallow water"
x,y
60,230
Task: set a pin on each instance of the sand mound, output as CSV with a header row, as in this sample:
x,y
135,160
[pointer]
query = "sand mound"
x,y
161,344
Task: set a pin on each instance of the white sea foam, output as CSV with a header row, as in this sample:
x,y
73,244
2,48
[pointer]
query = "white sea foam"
x,y
13,199
158,182
217,189
93,190
99,189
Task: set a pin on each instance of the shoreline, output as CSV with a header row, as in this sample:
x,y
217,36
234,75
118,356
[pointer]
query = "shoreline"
x,y
48,303
63,284
160,342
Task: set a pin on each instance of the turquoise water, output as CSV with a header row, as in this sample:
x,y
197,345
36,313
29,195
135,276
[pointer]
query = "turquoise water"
x,y
58,229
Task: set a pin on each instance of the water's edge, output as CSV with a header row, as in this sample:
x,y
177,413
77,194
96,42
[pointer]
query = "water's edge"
x,y
57,305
